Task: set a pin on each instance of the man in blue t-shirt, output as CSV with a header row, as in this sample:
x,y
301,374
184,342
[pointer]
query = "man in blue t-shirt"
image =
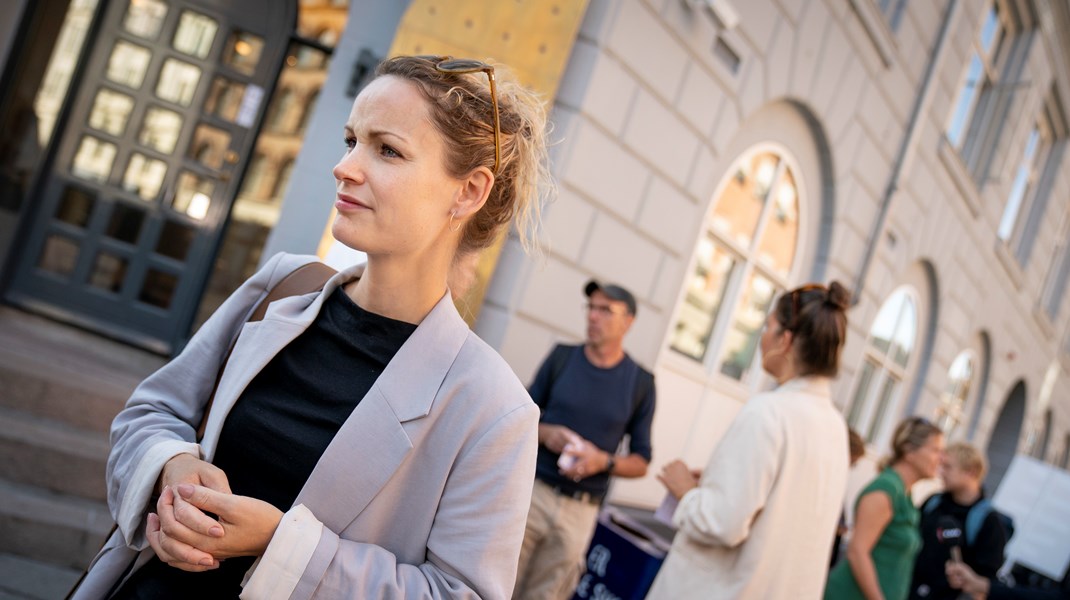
x,y
590,396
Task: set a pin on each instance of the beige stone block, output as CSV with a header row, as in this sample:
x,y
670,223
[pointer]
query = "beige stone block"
x,y
595,84
692,26
670,216
757,22
809,40
567,223
831,71
704,175
648,48
752,94
700,98
526,346
661,137
645,337
870,168
601,169
900,92
726,126
617,252
669,283
553,294
846,96
778,60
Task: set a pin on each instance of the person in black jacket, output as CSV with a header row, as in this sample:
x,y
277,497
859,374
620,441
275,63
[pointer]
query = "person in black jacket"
x,y
960,516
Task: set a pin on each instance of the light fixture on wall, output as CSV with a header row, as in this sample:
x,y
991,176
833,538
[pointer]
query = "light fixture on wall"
x,y
722,10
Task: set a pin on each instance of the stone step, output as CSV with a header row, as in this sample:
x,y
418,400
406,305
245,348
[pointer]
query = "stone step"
x,y
58,396
34,580
52,455
66,374
57,529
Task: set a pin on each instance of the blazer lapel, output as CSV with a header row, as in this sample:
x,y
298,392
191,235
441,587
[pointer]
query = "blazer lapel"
x,y
258,343
373,443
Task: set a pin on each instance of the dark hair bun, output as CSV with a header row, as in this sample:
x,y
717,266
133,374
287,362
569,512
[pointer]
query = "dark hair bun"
x,y
838,296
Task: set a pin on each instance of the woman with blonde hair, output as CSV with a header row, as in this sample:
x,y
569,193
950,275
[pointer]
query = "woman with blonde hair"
x,y
362,441
881,552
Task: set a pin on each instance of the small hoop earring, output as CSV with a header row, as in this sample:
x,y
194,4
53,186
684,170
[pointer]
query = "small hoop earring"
x,y
452,228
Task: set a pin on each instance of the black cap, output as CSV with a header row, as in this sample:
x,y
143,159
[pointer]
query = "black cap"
x,y
613,292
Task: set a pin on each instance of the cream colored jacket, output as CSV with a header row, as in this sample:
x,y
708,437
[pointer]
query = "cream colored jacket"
x,y
761,523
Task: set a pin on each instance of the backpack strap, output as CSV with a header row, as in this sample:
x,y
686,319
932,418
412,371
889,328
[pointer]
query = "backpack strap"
x,y
975,518
558,360
644,381
302,280
931,504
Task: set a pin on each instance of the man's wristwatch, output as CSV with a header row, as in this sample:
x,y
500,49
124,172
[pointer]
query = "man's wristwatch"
x,y
610,463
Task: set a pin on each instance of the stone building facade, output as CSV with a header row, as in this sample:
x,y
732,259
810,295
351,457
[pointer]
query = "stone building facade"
x,y
919,153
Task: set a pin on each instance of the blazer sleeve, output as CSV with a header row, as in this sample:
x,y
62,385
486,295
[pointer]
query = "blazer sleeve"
x,y
737,481
161,417
472,550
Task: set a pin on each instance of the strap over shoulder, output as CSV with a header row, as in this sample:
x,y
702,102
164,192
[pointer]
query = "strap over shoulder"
x,y
302,280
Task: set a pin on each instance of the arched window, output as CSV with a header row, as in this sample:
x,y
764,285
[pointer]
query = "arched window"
x,y
743,260
278,114
950,412
307,108
887,354
282,180
254,177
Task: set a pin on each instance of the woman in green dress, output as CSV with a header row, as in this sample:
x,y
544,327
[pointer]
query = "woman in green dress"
x,y
886,539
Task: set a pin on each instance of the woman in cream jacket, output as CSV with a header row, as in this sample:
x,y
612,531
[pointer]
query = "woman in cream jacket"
x,y
759,522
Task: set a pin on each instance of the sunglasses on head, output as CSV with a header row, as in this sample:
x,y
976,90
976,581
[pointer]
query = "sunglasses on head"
x,y
460,66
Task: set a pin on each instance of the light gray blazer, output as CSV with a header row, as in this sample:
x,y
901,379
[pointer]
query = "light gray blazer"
x,y
423,492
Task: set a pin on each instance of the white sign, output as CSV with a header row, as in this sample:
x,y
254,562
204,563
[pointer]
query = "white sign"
x,y
1037,496
250,103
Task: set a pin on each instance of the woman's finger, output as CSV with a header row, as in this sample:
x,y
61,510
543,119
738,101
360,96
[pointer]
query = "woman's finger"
x,y
194,519
183,556
176,539
156,536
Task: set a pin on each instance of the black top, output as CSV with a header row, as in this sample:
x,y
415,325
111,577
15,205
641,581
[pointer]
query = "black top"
x,y
282,423
984,556
598,404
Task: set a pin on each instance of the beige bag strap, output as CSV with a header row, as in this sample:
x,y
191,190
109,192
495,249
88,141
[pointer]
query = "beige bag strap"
x,y
302,280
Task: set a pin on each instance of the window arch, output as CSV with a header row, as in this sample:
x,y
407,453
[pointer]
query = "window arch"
x,y
744,258
280,110
960,377
282,180
892,339
254,177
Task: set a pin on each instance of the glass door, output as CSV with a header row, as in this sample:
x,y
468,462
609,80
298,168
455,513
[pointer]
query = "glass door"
x,y
131,211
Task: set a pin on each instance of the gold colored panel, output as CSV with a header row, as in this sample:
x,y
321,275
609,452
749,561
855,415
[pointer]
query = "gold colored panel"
x,y
534,39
